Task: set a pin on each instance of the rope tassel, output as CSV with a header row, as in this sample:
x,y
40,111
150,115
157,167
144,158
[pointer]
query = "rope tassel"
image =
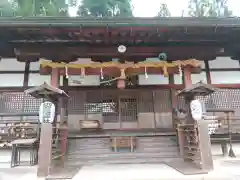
x,y
82,71
66,72
101,71
180,70
145,72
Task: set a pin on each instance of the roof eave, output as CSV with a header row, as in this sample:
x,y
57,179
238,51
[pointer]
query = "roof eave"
x,y
118,22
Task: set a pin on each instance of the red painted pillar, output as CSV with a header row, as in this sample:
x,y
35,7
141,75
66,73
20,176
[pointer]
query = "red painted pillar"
x,y
55,77
187,80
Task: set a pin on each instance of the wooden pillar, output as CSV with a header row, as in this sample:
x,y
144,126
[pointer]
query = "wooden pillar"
x,y
45,150
208,72
64,136
55,77
64,120
173,99
187,81
26,74
204,143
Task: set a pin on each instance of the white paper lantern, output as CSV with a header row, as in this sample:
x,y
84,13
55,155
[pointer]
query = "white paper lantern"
x,y
196,109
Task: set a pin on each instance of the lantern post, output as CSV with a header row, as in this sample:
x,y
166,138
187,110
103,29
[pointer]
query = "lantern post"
x,y
47,116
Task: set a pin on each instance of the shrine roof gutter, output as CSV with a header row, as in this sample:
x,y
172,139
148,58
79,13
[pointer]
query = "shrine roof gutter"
x,y
118,22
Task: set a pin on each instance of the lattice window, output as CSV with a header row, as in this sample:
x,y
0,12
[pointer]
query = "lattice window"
x,y
12,102
110,106
31,104
162,100
223,98
146,101
76,102
93,104
17,102
128,109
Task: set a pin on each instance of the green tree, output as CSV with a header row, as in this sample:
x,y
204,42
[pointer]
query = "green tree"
x,y
72,3
28,8
198,8
164,11
219,8
105,8
209,8
6,8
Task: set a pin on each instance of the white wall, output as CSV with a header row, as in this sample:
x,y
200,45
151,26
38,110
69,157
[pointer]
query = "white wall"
x,y
224,77
217,77
11,80
223,62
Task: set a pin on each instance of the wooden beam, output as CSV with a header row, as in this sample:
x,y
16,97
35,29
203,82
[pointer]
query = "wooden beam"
x,y
192,34
175,52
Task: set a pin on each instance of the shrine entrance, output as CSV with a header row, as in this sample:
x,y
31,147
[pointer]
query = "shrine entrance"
x,y
128,109
121,109
117,108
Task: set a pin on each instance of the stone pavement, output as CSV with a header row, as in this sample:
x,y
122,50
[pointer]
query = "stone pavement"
x,y
19,173
224,169
143,172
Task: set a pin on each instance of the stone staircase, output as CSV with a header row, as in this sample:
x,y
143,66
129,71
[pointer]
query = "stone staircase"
x,y
88,151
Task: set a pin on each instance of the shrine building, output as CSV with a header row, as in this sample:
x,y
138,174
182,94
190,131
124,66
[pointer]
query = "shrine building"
x,y
122,77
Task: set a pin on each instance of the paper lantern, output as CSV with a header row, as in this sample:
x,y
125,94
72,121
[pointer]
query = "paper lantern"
x,y
121,84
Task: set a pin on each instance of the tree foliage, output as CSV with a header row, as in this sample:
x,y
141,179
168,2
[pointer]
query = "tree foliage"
x,y
209,8
105,8
6,8
27,8
163,11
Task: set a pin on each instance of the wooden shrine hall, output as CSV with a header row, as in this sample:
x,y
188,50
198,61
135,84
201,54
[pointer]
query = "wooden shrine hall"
x,y
118,86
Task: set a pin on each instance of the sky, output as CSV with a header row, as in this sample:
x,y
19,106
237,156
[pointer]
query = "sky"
x,y
149,8
176,7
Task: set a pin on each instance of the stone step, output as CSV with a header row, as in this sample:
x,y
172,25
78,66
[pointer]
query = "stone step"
x,y
118,155
98,150
121,161
109,151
